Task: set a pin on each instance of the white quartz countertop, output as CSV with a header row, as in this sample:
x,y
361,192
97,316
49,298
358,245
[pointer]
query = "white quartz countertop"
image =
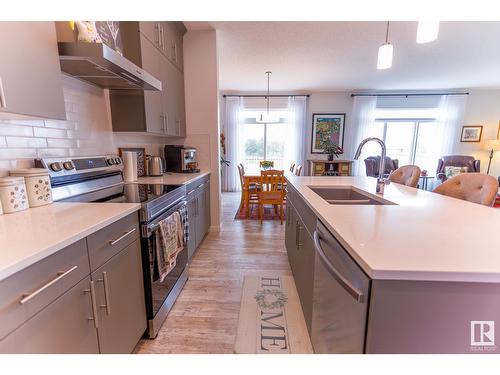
x,y
425,236
31,235
173,178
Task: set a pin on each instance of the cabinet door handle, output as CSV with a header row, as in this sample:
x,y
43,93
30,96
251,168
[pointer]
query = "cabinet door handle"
x,y
62,274
114,242
158,29
3,103
166,122
344,283
107,306
94,317
298,228
162,38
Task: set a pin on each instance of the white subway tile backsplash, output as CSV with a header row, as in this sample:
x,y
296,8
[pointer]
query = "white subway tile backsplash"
x,y
61,143
88,131
28,142
17,153
52,133
59,124
19,130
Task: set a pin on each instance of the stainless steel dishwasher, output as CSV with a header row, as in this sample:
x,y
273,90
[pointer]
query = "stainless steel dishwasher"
x,y
340,297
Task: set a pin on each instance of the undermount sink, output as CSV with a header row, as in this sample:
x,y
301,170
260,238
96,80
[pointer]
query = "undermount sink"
x,y
345,195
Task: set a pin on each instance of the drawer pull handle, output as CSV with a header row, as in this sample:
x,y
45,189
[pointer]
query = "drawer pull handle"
x,y
94,305
62,274
114,242
107,306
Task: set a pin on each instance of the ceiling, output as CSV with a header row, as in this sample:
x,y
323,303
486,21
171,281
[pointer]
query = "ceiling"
x,y
329,56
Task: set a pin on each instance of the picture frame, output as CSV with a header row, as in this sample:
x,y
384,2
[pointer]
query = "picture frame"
x,y
141,158
327,125
471,133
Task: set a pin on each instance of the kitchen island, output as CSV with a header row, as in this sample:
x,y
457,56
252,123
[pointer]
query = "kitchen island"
x,y
416,272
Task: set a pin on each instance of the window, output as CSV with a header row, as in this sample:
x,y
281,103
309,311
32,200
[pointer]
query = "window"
x,y
411,141
261,141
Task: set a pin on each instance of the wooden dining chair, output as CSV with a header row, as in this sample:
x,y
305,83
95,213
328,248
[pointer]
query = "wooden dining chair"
x,y
250,190
270,192
298,170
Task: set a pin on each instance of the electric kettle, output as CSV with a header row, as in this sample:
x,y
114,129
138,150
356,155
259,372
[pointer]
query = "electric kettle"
x,y
156,165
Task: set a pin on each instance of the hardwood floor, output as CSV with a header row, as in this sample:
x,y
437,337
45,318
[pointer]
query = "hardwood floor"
x,y
205,316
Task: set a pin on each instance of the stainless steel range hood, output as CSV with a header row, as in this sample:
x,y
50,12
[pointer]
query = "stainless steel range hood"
x,y
98,64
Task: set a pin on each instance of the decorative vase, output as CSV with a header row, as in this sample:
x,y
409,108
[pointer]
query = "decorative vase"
x,y
330,157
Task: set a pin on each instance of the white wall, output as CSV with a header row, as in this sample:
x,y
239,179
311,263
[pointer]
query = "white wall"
x,y
483,108
202,116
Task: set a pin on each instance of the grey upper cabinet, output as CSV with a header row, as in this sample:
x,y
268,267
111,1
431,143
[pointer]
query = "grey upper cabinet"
x,y
63,327
30,75
157,48
120,297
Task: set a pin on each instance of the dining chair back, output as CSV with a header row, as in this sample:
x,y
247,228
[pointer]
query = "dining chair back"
x,y
406,175
292,167
271,191
298,170
473,187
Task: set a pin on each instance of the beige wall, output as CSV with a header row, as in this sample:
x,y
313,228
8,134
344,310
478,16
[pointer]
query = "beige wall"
x,y
202,117
87,131
483,108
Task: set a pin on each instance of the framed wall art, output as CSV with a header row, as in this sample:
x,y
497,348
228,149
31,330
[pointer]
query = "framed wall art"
x,y
327,125
471,133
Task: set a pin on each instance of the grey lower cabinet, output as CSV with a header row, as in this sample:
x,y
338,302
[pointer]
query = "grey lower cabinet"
x,y
85,298
157,48
198,213
64,326
300,249
30,75
120,297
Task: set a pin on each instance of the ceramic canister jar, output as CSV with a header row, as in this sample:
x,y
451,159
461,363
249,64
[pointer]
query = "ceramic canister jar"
x,y
37,184
13,194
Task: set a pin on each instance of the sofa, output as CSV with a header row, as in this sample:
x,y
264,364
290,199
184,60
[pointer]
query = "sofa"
x,y
473,166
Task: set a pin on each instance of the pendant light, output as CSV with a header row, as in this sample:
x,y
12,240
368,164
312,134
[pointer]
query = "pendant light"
x,y
385,51
427,31
267,117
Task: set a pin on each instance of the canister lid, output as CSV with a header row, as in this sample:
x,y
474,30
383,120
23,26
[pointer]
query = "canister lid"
x,y
29,172
10,181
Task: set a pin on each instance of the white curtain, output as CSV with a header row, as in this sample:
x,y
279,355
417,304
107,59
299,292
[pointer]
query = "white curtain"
x,y
295,137
363,118
233,117
452,111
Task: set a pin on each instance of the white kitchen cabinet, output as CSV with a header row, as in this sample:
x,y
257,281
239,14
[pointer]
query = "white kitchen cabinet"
x,y
30,75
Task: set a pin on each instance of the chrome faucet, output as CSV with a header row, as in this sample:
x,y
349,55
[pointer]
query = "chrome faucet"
x,y
381,181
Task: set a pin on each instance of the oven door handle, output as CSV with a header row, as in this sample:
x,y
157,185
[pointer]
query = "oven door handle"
x,y
152,226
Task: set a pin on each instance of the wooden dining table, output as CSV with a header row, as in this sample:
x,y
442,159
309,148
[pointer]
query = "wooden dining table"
x,y
252,175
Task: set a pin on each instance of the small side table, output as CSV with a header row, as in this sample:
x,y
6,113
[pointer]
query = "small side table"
x,y
425,179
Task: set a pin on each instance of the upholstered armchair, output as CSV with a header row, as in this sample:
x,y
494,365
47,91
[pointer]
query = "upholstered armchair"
x,y
457,161
372,163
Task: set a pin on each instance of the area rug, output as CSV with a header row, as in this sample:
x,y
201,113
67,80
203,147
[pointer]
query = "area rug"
x,y
271,319
269,213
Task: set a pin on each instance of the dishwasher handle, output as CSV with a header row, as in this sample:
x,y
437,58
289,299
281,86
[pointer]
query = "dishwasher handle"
x,y
348,287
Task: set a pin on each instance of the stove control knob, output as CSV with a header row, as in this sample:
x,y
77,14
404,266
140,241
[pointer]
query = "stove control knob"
x,y
110,161
56,167
68,165
118,161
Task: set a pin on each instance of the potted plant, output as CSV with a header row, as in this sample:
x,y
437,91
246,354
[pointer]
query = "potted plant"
x,y
332,149
266,164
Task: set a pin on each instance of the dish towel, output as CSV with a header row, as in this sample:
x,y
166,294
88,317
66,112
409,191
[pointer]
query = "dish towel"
x,y
185,223
168,245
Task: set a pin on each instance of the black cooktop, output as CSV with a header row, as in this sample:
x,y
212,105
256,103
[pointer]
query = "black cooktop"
x,y
142,193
